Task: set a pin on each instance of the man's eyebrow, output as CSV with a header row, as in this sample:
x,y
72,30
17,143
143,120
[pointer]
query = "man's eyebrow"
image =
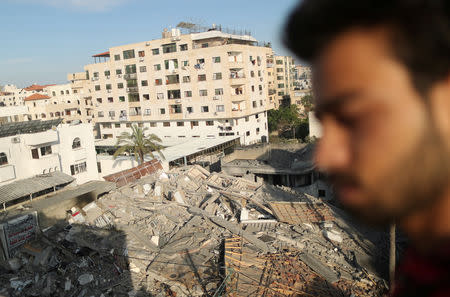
x,y
335,103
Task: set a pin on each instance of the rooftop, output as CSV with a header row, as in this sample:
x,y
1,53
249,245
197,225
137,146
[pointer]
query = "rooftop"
x,y
36,87
36,97
11,129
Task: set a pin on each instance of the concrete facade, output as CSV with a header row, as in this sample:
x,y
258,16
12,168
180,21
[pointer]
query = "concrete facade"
x,y
207,84
66,148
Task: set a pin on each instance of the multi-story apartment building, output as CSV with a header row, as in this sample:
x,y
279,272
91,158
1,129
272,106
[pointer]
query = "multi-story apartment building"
x,y
206,85
39,147
59,101
283,76
10,95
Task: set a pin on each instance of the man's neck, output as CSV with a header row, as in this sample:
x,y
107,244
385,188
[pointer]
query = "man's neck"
x,y
431,226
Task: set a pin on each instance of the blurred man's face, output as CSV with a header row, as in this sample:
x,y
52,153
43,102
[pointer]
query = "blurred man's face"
x,y
379,145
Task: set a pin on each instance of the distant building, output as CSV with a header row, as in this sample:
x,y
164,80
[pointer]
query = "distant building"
x,y
58,101
283,78
10,114
38,147
200,85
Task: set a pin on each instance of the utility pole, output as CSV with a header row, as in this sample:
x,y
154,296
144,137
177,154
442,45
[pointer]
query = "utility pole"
x,y
392,257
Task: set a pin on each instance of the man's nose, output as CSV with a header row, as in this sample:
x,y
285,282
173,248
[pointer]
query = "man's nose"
x,y
333,149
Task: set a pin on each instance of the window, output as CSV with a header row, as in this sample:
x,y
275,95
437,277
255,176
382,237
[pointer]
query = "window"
x,y
144,83
147,112
155,51
142,69
146,96
190,109
169,48
205,45
118,71
205,108
100,114
209,123
166,124
247,133
46,150
252,73
201,77
180,124
217,75
203,92
122,98
183,47
253,88
279,62
174,94
78,168
112,113
216,59
260,87
220,108
157,67
129,54
254,104
128,125
3,159
120,85
35,153
185,63
218,92
162,111
107,125
116,125
194,123
259,73
159,95
108,87
186,79
280,86
187,93
95,74
246,119
171,64
141,54
158,81
153,124
133,97
107,73
130,69
257,131
116,57
97,87
110,99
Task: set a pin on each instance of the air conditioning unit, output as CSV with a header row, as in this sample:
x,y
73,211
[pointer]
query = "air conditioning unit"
x,y
141,59
176,38
107,77
119,75
178,101
109,91
15,140
216,97
147,44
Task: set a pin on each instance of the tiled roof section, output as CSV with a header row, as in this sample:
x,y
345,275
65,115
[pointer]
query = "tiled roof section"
x,y
36,97
124,177
37,87
105,54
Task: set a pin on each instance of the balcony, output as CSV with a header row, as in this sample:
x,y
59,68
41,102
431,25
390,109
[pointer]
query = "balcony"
x,y
40,138
7,172
130,76
131,90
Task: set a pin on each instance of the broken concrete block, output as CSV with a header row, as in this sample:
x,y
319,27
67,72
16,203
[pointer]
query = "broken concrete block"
x,y
14,264
244,214
67,285
147,188
155,240
332,235
85,279
179,197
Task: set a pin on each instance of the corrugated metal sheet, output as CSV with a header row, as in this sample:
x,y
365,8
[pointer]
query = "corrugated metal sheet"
x,y
25,187
124,177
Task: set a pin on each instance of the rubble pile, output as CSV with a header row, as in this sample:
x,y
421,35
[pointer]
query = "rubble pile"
x,y
190,232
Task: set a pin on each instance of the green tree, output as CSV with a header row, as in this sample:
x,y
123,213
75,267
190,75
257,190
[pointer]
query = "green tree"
x,y
284,119
308,102
138,143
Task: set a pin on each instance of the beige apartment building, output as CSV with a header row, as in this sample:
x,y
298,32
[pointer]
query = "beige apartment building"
x,y
58,101
199,85
283,77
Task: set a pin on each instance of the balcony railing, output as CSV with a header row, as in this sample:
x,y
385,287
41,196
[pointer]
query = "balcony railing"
x,y
130,76
132,90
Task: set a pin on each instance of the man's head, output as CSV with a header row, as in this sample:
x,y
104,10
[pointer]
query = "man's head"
x,y
382,88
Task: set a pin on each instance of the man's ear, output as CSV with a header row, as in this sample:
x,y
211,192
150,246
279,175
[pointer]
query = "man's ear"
x,y
440,109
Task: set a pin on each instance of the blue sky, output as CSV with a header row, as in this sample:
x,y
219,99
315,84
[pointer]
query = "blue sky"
x,y
43,40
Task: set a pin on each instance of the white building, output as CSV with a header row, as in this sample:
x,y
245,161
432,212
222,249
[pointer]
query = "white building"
x,y
38,147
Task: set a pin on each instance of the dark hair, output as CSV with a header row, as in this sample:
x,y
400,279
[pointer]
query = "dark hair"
x,y
419,31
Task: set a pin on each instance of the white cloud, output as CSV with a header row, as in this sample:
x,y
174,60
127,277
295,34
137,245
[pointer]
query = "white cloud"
x,y
82,5
15,61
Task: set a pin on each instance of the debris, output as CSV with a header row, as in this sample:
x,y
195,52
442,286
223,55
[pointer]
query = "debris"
x,y
85,279
332,235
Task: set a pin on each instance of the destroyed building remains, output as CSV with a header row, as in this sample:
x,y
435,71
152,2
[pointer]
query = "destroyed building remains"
x,y
189,232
